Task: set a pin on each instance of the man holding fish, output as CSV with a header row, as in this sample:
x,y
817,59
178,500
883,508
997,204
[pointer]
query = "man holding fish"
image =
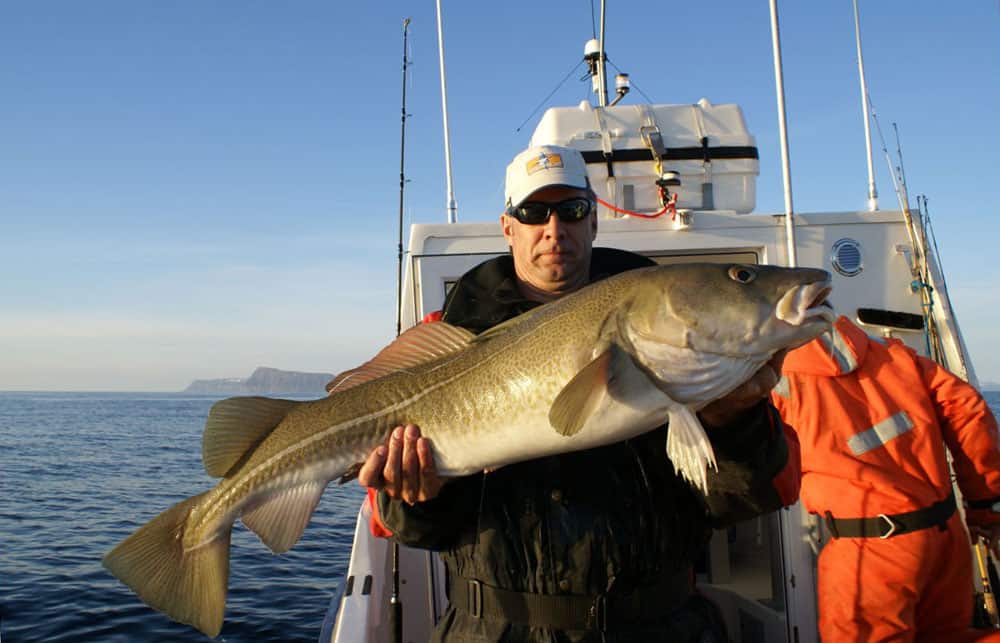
x,y
601,541
584,526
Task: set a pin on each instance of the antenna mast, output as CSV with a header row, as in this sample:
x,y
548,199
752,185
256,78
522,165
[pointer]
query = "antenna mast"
x,y
786,170
452,206
872,192
602,70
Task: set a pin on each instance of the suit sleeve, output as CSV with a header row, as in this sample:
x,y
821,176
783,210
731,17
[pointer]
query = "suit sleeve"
x,y
970,431
434,524
759,468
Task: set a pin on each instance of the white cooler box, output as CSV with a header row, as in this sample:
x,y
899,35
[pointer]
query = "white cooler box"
x,y
707,145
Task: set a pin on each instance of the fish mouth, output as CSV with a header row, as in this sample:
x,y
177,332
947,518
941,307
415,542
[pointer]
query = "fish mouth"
x,y
804,304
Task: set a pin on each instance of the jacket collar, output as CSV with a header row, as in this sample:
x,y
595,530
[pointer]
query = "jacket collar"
x,y
838,352
488,294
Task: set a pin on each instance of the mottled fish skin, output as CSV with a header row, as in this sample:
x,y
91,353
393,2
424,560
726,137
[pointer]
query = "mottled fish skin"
x,y
609,362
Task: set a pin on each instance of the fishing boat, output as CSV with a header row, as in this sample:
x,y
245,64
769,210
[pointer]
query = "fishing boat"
x,y
677,183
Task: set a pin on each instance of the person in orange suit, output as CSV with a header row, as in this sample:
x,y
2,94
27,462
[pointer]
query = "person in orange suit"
x,y
873,419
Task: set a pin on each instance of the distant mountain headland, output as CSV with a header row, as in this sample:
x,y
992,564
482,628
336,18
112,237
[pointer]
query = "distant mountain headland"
x,y
264,381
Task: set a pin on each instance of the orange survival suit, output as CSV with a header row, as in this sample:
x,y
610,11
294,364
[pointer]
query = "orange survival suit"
x,y
873,418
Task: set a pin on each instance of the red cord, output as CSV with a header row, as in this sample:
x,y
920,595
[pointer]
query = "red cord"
x,y
670,206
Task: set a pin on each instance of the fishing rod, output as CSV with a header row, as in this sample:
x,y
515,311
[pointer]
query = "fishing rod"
x,y
980,550
935,346
885,153
989,596
402,184
899,155
395,603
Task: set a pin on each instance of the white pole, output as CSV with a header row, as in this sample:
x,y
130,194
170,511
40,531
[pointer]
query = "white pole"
x,y
602,71
872,192
786,171
452,206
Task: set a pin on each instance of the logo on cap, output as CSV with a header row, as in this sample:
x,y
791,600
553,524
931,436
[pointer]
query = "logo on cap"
x,y
543,162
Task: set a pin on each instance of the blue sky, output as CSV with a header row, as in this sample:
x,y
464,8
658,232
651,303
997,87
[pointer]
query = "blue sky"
x,y
194,189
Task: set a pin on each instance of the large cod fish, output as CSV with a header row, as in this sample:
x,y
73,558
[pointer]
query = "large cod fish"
x,y
609,362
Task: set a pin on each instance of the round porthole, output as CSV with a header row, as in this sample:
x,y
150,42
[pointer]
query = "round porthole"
x,y
846,257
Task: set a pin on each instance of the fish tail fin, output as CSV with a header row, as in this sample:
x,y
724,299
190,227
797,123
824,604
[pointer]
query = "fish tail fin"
x,y
188,585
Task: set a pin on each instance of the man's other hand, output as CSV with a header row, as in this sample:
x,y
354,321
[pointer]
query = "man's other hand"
x,y
728,410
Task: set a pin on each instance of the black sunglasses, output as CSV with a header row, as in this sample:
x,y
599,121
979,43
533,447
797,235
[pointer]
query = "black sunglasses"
x,y
568,211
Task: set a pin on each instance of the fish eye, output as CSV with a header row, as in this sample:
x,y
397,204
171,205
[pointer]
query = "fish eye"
x,y
742,274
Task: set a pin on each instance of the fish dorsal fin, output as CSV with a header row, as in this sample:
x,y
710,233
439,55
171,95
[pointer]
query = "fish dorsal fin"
x,y
237,424
688,447
583,394
422,343
280,520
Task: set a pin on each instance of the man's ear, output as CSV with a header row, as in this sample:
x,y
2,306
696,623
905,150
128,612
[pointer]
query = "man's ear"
x,y
506,225
593,225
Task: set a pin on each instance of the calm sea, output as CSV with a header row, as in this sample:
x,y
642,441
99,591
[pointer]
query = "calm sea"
x,y
81,471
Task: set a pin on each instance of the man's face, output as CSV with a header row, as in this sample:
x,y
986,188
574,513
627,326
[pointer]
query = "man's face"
x,y
552,258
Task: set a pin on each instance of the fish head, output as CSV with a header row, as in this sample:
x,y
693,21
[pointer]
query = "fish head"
x,y
730,309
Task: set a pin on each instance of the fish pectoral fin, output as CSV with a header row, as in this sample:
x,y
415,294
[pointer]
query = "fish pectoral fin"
x,y
280,520
688,447
236,425
583,394
421,343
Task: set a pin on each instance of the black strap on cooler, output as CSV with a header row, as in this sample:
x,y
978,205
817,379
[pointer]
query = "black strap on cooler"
x,y
887,526
571,611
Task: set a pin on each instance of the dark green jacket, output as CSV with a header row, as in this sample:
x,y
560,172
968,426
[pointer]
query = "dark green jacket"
x,y
604,520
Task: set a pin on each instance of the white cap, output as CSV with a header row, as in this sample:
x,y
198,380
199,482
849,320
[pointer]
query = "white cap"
x,y
540,167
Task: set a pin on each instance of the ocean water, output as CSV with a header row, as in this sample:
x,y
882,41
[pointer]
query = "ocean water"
x,y
81,471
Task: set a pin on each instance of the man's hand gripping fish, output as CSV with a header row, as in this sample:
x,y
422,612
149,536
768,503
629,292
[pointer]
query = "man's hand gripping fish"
x,y
609,362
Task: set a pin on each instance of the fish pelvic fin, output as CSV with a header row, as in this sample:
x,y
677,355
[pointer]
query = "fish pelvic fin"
x,y
280,520
583,394
688,447
189,586
235,426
